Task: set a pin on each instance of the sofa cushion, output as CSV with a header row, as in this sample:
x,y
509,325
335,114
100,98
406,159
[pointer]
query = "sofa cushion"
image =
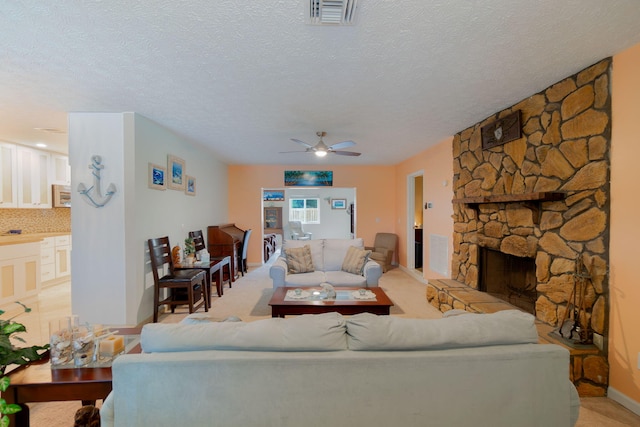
x,y
342,278
307,279
299,260
370,332
354,260
319,332
317,248
335,251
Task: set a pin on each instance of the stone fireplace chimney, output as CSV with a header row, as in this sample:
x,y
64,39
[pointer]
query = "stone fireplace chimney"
x,y
544,195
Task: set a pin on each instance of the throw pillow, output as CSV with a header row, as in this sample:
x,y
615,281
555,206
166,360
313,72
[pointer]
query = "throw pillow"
x,y
299,260
355,259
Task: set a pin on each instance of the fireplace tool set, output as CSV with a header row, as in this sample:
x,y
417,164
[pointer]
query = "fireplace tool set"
x,y
576,329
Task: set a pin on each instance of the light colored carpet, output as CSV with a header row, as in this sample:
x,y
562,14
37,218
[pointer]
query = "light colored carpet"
x,y
248,299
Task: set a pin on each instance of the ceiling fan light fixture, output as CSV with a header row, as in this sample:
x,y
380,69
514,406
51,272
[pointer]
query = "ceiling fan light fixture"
x,y
320,153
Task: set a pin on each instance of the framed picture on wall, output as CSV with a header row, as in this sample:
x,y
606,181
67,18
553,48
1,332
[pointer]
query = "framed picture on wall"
x,y
190,188
338,203
176,167
273,195
308,178
157,177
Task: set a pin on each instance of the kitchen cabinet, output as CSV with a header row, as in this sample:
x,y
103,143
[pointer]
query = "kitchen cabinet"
x,y
63,256
47,259
61,171
55,259
34,168
8,176
19,271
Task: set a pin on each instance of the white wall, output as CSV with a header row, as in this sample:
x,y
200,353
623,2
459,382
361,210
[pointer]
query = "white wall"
x,y
98,254
113,239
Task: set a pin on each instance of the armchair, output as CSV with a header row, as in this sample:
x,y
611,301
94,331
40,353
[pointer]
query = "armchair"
x,y
383,249
297,233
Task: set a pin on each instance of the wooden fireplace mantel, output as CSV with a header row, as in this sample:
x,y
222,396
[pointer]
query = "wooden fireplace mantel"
x,y
529,200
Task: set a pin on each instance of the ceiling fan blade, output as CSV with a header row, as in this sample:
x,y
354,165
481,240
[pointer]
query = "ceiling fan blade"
x,y
302,143
343,144
285,152
345,153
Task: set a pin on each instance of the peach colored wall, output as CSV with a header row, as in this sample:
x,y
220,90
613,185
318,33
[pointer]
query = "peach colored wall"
x,y
437,164
375,193
624,319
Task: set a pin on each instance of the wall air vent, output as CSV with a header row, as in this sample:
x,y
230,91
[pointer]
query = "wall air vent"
x,y
331,12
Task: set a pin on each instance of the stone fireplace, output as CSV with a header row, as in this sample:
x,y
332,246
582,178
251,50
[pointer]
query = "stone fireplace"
x,y
542,197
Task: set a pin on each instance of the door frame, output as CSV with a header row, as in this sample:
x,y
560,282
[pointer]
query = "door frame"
x,y
411,203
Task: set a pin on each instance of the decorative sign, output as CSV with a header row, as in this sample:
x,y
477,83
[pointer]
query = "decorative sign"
x,y
93,194
501,131
308,178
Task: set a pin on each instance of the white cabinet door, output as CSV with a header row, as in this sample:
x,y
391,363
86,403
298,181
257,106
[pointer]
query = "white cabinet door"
x,y
8,176
19,271
47,259
61,173
34,189
63,261
63,256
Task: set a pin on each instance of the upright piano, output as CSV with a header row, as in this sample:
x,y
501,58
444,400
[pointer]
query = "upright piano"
x,y
225,240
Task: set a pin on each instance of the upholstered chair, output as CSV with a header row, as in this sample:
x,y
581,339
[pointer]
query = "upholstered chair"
x,y
383,249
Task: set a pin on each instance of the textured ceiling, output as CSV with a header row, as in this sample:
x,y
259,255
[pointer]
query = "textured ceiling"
x,y
244,78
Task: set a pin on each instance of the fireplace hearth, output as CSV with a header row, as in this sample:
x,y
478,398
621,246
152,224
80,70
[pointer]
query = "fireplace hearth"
x,y
509,278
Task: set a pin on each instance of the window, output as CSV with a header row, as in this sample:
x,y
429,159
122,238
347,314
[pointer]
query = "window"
x,y
305,210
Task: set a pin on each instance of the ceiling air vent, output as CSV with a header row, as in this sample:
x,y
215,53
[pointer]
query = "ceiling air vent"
x,y
331,12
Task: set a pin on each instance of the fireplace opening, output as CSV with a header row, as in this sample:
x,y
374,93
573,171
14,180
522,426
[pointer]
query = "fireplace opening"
x,y
509,278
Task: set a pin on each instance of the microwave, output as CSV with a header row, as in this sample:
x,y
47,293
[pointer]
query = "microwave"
x,y
61,196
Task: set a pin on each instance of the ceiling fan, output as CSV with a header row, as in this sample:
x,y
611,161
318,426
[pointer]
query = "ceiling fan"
x,y
321,149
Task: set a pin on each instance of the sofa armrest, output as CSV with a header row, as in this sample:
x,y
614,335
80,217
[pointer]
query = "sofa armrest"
x,y
106,412
278,272
372,272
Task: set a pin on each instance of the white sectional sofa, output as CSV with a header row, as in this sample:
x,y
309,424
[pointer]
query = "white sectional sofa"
x,y
329,370
328,256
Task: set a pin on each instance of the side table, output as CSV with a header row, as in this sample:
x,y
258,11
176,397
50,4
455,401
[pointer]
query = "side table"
x,y
37,382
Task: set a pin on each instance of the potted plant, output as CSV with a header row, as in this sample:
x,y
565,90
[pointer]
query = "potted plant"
x,y
189,250
12,355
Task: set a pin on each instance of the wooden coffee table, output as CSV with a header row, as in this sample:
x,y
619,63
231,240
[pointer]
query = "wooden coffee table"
x,y
280,308
37,382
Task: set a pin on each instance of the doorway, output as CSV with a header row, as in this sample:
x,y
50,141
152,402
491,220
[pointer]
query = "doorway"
x,y
336,210
415,239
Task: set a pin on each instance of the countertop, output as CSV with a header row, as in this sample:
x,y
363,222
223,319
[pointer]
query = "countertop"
x,y
16,239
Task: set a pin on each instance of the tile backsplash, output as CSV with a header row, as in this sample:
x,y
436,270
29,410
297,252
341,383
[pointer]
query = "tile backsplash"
x,y
53,220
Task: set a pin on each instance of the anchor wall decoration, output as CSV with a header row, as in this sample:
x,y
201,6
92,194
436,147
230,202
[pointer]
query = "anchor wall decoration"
x,y
93,195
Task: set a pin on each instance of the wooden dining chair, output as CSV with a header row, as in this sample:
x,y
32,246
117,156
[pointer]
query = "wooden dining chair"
x,y
198,240
185,286
214,269
242,254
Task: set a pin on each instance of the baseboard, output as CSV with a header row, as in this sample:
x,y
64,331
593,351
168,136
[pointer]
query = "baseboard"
x,y
413,273
624,400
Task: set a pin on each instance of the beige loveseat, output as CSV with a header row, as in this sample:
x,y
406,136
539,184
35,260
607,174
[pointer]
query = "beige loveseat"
x,y
328,256
332,370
